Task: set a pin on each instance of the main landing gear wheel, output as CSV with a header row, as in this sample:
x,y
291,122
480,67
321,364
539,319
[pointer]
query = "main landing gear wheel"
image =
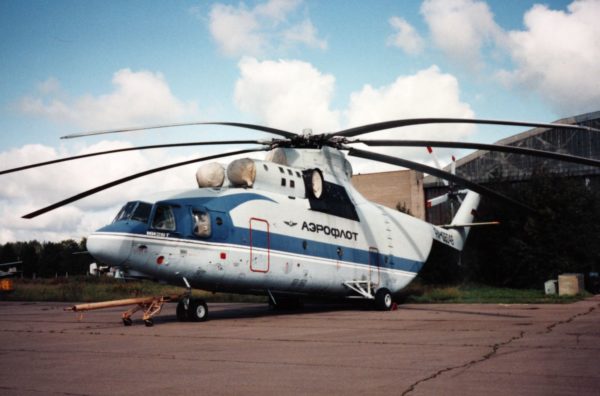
x,y
383,300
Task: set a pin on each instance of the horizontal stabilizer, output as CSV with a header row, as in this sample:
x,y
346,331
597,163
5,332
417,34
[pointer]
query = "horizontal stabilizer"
x,y
486,223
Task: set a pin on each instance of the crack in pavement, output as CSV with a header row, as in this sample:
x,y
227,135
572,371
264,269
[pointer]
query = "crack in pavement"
x,y
494,350
572,318
487,356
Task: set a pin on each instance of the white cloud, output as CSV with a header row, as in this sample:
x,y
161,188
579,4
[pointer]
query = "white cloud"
x,y
287,94
243,31
426,93
138,98
277,10
29,190
305,33
405,36
460,28
236,30
557,56
293,95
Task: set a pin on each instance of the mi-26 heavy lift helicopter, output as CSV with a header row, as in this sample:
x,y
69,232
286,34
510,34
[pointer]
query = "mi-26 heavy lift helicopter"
x,y
287,227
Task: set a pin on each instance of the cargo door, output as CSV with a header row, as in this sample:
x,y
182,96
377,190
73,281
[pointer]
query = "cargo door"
x,y
260,245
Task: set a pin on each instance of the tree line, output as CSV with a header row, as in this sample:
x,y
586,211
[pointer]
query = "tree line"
x,y
47,259
528,248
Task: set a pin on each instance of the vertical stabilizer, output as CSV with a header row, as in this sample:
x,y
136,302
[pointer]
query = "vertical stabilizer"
x,y
455,234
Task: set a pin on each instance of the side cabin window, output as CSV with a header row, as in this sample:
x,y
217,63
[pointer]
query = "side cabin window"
x,y
164,219
202,226
135,210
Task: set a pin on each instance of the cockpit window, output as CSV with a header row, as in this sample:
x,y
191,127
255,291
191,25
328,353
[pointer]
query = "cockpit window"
x,y
142,212
164,219
135,210
125,212
201,223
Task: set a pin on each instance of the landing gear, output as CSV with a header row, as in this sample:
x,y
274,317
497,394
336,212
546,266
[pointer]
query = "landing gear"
x,y
383,300
192,309
198,311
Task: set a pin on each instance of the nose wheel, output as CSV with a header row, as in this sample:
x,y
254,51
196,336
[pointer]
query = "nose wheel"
x,y
192,309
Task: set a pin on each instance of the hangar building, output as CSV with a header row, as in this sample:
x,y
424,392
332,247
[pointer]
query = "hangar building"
x,y
412,190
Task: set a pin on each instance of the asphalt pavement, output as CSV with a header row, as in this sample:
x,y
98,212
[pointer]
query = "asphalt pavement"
x,y
245,349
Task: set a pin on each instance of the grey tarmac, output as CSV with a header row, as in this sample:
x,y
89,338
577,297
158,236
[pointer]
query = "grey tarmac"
x,y
244,349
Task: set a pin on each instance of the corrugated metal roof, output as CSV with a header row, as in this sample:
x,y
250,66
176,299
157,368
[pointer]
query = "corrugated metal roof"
x,y
481,166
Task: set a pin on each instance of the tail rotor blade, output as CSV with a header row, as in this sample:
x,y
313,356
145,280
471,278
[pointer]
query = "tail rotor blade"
x,y
437,162
453,165
437,200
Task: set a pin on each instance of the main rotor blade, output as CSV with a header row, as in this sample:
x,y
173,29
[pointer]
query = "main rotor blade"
x,y
380,126
155,146
132,177
133,129
482,146
478,188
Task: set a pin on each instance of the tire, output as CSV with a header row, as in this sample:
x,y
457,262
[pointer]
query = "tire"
x,y
198,311
127,321
149,322
181,312
383,300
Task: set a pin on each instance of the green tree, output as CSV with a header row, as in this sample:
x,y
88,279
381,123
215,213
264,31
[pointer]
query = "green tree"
x,y
527,249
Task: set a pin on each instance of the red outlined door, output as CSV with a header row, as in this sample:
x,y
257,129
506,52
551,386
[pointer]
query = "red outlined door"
x,y
374,265
260,245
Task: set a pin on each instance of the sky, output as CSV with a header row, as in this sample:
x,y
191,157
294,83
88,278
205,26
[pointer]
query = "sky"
x,y
76,66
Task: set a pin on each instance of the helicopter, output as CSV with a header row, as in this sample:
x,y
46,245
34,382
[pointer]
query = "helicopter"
x,y
288,227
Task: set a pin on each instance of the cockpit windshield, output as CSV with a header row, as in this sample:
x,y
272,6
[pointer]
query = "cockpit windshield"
x,y
134,210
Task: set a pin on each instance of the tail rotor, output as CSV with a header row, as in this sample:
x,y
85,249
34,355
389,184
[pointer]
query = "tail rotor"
x,y
453,194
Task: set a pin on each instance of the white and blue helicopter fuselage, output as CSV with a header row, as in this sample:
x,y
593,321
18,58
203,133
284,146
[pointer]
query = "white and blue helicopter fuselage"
x,y
273,237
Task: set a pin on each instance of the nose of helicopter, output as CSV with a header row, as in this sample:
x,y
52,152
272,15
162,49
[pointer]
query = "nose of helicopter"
x,y
110,249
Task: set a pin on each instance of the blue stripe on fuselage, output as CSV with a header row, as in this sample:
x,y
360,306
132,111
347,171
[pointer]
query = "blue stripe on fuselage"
x,y
324,250
277,242
289,245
